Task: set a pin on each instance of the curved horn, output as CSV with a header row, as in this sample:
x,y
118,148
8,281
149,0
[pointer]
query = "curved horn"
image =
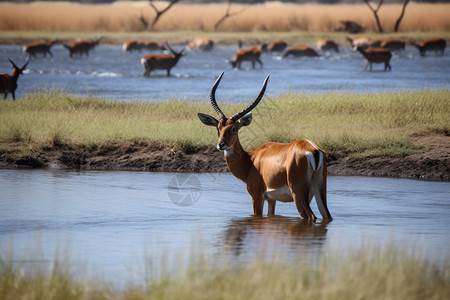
x,y
253,104
13,64
212,97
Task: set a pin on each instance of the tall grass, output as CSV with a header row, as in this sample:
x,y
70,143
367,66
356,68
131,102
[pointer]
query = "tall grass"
x,y
367,124
123,16
368,273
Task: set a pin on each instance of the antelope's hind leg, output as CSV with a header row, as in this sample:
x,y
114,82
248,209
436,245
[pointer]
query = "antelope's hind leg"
x,y
299,185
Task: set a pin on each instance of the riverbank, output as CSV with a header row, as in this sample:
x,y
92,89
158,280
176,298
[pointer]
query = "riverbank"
x,y
391,134
432,164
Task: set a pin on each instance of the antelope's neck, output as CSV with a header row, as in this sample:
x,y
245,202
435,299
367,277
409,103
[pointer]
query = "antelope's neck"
x,y
238,161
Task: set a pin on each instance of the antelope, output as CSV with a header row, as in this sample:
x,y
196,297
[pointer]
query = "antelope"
x,y
300,50
202,43
161,61
327,44
436,44
273,172
364,42
39,47
251,54
376,55
277,46
80,47
8,83
138,45
393,44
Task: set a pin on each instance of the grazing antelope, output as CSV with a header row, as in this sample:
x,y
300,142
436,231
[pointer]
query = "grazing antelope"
x,y
161,61
364,42
327,44
273,172
376,55
39,47
434,44
251,54
300,50
8,83
80,47
277,46
139,45
393,44
202,43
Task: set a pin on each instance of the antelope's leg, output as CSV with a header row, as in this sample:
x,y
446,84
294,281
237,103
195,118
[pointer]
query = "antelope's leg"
x,y
271,207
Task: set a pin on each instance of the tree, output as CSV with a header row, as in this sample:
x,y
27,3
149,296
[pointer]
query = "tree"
x,y
159,13
375,13
227,14
397,24
377,19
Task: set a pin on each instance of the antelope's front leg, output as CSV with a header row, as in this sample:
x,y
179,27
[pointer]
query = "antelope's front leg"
x,y
258,205
271,207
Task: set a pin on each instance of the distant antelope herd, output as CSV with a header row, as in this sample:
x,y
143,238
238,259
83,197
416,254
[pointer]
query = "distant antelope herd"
x,y
374,51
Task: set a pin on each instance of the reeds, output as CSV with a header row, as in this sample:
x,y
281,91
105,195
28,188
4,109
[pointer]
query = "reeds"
x,y
366,124
271,17
371,272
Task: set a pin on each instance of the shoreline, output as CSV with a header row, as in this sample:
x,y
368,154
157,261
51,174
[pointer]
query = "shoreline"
x,y
431,164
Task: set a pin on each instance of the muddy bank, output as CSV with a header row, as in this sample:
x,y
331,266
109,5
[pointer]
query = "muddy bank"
x,y
433,163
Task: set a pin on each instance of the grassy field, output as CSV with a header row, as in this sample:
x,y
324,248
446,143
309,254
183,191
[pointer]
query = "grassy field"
x,y
367,273
268,17
366,125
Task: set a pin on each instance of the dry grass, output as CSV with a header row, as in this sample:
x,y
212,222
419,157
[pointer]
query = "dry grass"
x,y
371,272
123,16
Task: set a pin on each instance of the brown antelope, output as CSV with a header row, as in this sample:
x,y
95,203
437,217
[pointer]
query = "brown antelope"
x,y
139,45
376,55
202,43
251,54
434,44
80,47
277,46
39,47
327,44
273,172
300,50
166,62
393,44
8,83
364,42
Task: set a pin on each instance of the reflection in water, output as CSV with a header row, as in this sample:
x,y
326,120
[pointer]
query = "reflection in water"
x,y
275,235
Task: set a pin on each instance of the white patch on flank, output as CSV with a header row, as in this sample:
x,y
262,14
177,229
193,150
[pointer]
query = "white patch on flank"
x,y
311,160
282,194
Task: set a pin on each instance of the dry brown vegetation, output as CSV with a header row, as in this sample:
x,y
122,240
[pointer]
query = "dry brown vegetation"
x,y
124,16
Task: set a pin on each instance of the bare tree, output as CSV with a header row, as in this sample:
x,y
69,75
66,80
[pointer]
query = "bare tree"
x,y
397,24
228,14
159,13
375,13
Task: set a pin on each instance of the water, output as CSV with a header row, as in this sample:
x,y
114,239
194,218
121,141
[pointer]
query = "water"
x,y
111,222
112,74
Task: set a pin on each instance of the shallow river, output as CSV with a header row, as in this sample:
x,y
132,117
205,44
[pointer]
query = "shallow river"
x,y
110,73
111,222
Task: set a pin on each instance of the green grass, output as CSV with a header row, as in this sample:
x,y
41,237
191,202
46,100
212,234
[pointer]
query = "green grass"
x,y
370,272
366,124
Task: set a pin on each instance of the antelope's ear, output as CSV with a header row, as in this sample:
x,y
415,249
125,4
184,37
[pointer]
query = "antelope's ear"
x,y
246,120
208,120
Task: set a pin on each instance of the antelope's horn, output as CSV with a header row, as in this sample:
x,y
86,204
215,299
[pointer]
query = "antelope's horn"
x,y
13,64
253,104
212,97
